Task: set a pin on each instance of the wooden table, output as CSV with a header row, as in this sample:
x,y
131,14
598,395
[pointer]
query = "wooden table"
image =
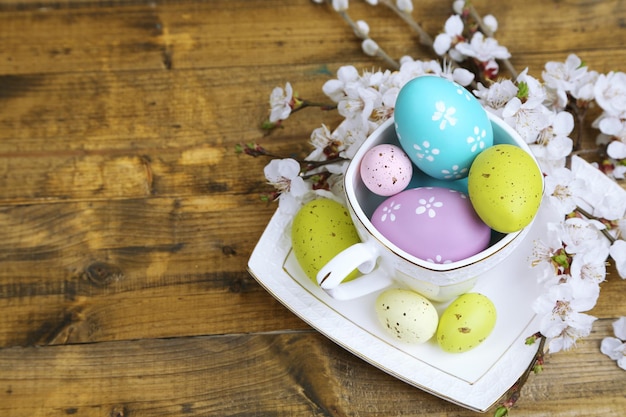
x,y
127,219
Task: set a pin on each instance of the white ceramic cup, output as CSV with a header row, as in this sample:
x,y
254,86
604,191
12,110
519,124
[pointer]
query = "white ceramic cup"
x,y
383,264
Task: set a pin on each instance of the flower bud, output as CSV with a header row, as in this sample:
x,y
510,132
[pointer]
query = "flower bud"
x,y
405,5
362,28
491,22
370,47
340,5
458,6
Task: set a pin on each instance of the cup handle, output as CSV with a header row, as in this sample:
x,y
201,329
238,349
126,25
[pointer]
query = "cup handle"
x,y
362,256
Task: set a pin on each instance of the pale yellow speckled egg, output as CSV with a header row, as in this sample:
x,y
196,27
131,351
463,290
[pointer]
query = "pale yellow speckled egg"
x,y
406,315
505,186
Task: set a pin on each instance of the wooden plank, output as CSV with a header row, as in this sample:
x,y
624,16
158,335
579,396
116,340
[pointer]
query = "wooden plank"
x,y
125,269
94,36
286,374
75,136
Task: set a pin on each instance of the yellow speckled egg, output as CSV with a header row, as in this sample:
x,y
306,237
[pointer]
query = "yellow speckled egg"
x,y
406,315
505,186
321,229
466,323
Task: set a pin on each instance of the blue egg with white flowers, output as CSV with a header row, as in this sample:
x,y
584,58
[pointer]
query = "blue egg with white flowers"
x,y
441,126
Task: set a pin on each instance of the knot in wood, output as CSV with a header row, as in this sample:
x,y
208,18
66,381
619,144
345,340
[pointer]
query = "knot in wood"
x,y
103,274
118,411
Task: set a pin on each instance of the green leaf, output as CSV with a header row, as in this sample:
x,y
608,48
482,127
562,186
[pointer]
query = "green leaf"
x,y
501,411
267,125
561,259
522,90
531,340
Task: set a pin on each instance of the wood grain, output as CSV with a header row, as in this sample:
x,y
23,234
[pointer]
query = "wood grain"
x,y
127,219
282,374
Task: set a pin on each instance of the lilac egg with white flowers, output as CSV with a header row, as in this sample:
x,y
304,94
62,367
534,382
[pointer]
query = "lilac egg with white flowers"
x,y
434,224
441,126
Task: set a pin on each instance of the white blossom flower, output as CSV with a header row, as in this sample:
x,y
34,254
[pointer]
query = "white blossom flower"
x,y
580,235
564,76
544,251
590,265
359,102
280,103
612,132
483,49
359,96
615,347
562,309
583,89
284,175
453,29
351,133
410,69
553,144
569,78
527,118
495,98
563,188
320,139
610,93
346,76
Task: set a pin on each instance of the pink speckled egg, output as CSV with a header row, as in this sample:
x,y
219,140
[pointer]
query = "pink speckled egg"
x,y
435,224
386,169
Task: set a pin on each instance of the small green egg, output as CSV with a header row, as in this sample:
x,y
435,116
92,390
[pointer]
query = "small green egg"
x,y
466,323
505,186
321,229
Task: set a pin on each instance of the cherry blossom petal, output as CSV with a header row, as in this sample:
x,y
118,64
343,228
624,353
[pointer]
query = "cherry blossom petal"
x,y
618,253
610,346
619,328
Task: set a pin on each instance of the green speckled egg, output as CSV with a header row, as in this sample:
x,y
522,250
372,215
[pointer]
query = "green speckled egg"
x,y
321,229
505,187
406,315
466,323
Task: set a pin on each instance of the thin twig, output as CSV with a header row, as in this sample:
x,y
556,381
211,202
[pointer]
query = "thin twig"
x,y
513,394
425,38
380,52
